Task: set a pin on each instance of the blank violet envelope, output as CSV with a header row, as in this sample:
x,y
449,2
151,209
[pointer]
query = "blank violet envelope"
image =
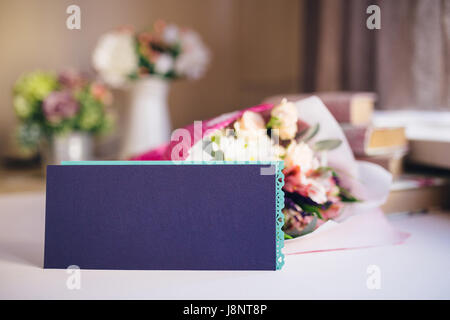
x,y
164,215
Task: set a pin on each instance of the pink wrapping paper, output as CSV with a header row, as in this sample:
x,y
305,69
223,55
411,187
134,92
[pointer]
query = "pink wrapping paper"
x,y
361,224
366,230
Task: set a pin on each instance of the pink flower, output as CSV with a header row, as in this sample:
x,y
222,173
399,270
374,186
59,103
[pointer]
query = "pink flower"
x,y
59,105
101,93
71,79
332,212
296,181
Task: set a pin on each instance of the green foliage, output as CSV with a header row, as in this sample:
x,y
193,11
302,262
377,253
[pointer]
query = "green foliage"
x,y
315,210
273,123
307,134
32,89
346,196
326,145
91,117
35,86
29,134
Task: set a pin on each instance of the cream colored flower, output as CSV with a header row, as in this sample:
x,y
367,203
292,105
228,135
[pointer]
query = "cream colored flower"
x,y
278,152
250,126
316,191
300,154
115,57
285,119
164,63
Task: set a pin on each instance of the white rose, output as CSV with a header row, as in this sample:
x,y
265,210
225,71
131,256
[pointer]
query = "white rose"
x,y
285,115
164,63
115,57
240,149
194,56
300,154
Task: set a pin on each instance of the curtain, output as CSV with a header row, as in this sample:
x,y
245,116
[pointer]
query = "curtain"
x,y
407,61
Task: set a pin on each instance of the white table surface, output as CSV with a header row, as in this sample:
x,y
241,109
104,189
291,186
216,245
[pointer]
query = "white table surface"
x,y
418,269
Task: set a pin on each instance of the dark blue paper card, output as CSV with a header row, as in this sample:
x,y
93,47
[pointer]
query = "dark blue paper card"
x,y
164,216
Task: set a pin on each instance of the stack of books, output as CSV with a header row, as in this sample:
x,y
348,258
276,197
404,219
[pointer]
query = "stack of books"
x,y
418,192
388,144
428,133
385,146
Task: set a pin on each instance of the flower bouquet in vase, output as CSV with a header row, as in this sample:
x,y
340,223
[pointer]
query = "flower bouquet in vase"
x,y
59,114
331,200
145,63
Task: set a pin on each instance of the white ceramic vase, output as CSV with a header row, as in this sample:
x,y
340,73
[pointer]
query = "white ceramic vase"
x,y
147,122
74,146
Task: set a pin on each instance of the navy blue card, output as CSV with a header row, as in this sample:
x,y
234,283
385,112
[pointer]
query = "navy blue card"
x,y
164,216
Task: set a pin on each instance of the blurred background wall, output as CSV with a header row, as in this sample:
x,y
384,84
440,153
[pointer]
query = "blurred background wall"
x,y
259,48
255,47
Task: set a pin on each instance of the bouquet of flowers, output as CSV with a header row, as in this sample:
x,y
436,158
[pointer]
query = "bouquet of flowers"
x,y
48,104
313,190
165,50
325,187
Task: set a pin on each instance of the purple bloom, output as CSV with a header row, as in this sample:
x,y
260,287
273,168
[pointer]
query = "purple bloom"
x,y
298,198
71,79
59,105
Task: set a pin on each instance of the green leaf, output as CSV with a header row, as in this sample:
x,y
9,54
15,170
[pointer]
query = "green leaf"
x,y
273,122
330,144
311,209
310,227
286,236
326,169
346,196
300,134
308,134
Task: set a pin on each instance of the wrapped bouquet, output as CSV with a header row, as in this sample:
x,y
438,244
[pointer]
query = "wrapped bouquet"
x,y
313,190
325,187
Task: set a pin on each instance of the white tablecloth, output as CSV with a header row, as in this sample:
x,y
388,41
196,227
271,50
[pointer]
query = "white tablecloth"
x,y
418,269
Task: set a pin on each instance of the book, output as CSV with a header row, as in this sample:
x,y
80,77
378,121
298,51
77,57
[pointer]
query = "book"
x,y
346,107
422,149
392,162
415,193
428,133
370,140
